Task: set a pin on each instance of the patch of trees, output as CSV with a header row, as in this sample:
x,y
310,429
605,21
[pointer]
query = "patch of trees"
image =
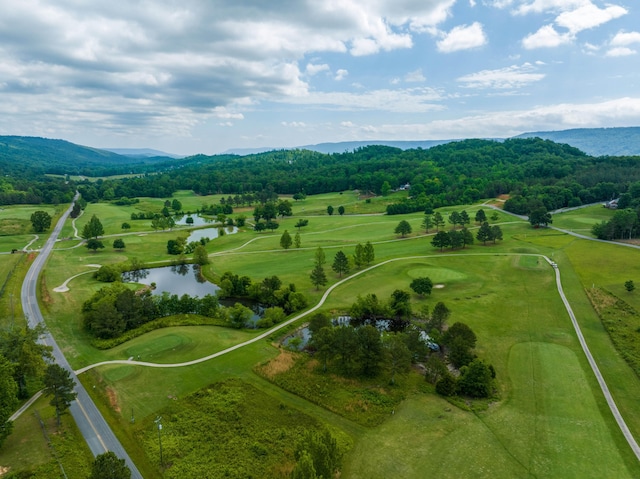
x,y
270,292
22,365
624,224
116,308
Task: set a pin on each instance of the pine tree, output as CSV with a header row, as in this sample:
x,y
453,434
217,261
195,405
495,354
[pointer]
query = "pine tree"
x,y
318,276
59,384
340,263
285,240
369,253
296,240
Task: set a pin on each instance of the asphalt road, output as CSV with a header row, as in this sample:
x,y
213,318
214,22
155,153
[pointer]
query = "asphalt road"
x,y
92,425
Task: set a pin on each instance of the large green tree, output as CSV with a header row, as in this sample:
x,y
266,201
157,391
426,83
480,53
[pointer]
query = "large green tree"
x,y
8,397
109,466
397,355
318,276
403,228
369,253
41,221
93,228
340,263
22,348
285,240
422,285
441,240
59,384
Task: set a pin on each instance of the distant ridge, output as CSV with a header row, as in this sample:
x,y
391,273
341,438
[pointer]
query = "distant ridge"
x,y
619,141
345,146
141,152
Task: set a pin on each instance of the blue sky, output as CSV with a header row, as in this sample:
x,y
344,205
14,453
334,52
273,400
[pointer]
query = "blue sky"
x,y
203,76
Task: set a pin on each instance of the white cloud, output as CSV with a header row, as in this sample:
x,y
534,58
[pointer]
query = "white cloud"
x,y
415,76
588,16
294,124
545,6
315,69
625,38
546,37
341,74
620,52
505,78
618,112
411,100
463,37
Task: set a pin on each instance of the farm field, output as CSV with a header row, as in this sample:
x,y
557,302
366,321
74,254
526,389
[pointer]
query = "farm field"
x,y
549,415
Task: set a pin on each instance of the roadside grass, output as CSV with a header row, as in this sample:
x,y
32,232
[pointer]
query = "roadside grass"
x,y
476,289
235,441
26,449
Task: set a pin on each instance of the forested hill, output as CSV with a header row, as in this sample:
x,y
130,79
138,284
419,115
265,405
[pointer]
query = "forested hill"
x,y
596,141
25,156
460,172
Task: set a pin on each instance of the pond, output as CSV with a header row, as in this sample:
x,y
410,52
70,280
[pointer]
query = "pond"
x,y
211,233
179,279
197,220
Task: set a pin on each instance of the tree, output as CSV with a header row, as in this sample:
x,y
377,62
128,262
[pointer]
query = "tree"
x,y
540,217
403,228
370,349
446,385
94,244
126,226
439,316
41,221
318,321
8,397
434,369
176,206
340,210
464,218
369,253
285,240
318,276
200,255
22,348
456,239
108,273
358,256
322,340
385,189
629,285
272,225
93,228
481,216
467,236
296,240
175,246
340,263
397,355
422,285
438,220
427,222
118,243
484,234
496,233
301,223
239,315
59,384
475,379
330,210
320,257
454,218
441,240
304,467
109,466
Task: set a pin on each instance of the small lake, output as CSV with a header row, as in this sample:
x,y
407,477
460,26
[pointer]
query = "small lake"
x,y
179,279
197,220
211,233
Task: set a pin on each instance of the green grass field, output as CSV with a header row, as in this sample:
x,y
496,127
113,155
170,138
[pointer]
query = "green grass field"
x,y
550,416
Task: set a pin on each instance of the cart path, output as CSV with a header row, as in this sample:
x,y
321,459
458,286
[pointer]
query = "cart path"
x,y
585,348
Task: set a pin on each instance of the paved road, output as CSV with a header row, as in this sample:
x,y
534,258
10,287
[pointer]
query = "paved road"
x,y
92,425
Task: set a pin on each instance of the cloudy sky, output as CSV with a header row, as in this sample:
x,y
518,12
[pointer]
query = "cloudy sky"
x,y
202,76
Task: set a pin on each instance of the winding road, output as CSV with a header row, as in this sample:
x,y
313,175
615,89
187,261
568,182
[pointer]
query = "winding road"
x,y
92,425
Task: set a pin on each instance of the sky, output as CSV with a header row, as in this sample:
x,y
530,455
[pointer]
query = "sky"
x,y
205,76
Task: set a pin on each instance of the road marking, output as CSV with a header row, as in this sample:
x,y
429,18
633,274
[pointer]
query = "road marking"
x,y
104,446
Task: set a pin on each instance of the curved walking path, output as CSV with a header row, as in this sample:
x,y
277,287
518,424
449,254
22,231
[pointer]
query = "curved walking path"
x,y
585,348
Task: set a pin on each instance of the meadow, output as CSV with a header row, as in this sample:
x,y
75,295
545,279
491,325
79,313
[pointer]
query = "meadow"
x,y
548,417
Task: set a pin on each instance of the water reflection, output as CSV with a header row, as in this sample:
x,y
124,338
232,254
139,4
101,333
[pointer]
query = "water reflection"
x,y
177,279
197,220
210,233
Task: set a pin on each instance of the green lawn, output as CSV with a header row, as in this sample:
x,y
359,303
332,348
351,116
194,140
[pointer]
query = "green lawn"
x,y
505,293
